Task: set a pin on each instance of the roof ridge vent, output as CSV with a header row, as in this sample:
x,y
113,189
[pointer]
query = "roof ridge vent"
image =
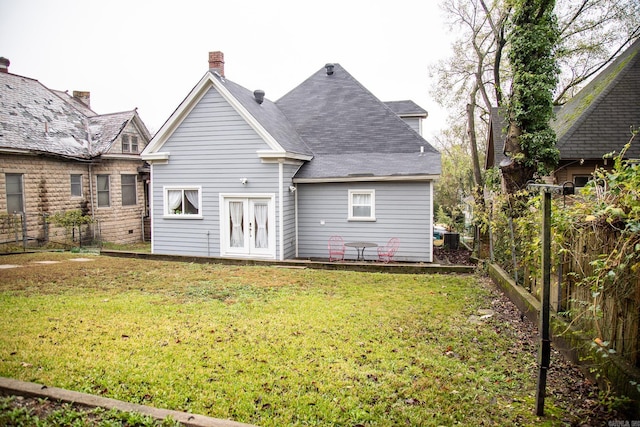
x,y
329,68
258,94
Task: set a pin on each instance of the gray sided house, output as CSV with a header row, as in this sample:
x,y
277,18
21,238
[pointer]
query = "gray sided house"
x,y
58,155
234,174
598,120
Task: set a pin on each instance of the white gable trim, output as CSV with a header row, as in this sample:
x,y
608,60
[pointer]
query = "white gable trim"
x,y
196,94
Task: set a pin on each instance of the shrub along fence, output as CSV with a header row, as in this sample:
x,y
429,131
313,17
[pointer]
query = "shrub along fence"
x,y
595,259
20,231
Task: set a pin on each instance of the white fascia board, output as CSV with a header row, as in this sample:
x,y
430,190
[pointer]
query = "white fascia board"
x,y
155,157
266,155
424,178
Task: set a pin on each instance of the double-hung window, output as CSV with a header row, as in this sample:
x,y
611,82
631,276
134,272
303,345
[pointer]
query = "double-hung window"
x,y
362,205
183,202
15,192
128,186
104,196
76,185
129,144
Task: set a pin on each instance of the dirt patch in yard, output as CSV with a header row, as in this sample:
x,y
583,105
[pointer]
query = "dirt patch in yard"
x,y
460,256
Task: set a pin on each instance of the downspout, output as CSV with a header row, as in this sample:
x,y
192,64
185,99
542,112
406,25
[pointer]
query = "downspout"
x,y
430,259
93,215
295,214
150,196
281,208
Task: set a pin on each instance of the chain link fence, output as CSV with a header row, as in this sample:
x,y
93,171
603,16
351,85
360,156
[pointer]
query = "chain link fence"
x,y
20,232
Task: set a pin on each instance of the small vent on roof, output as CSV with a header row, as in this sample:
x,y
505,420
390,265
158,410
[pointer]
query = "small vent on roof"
x,y
258,95
329,68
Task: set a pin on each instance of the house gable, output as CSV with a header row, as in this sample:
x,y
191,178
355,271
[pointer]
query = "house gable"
x,y
597,120
239,101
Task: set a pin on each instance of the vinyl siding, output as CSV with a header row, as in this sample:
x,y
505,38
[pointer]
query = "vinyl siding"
x,y
289,213
213,148
402,210
414,122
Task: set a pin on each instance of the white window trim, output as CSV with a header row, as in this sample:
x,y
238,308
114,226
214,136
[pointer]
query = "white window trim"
x,y
165,198
373,205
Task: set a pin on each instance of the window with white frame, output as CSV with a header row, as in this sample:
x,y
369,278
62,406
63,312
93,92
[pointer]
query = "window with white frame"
x,y
183,202
128,185
104,194
362,205
129,144
15,192
76,185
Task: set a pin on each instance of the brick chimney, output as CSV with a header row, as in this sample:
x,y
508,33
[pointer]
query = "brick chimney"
x,y
84,97
216,61
4,64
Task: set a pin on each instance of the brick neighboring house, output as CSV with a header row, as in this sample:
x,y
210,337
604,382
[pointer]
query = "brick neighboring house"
x,y
57,154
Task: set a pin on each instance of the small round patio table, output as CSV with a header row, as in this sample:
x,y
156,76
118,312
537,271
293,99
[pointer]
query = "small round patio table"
x,y
360,247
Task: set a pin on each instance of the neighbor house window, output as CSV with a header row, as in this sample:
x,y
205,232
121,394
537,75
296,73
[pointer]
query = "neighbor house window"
x,y
129,144
581,181
15,192
182,202
362,205
76,185
128,183
104,197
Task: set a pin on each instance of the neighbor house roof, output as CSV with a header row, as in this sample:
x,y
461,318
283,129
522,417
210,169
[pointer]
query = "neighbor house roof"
x,y
495,140
406,108
35,119
597,120
351,132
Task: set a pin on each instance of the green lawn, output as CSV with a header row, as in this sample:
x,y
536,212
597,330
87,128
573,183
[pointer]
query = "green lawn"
x,y
265,345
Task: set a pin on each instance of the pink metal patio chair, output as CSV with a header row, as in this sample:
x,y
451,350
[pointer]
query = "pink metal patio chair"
x,y
388,251
336,248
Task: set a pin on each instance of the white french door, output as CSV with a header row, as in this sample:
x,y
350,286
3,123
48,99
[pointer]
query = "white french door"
x,y
248,227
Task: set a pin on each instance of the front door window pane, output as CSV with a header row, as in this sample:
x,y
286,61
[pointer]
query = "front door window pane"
x,y
236,219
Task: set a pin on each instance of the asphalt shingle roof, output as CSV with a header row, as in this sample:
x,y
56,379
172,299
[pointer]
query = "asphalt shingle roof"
x,y
406,108
270,117
348,129
36,119
597,120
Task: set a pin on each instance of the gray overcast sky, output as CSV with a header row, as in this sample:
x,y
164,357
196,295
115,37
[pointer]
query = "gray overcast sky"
x,y
150,54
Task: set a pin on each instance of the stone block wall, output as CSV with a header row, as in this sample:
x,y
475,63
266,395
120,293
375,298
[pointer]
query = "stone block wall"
x,y
47,190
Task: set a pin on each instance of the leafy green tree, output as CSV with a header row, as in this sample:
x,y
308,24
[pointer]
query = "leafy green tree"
x,y
476,77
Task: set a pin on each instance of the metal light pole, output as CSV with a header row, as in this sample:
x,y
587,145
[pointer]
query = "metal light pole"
x,y
544,353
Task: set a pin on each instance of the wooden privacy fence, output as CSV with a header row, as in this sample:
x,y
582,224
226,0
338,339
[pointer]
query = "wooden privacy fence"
x,y
614,300
606,309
